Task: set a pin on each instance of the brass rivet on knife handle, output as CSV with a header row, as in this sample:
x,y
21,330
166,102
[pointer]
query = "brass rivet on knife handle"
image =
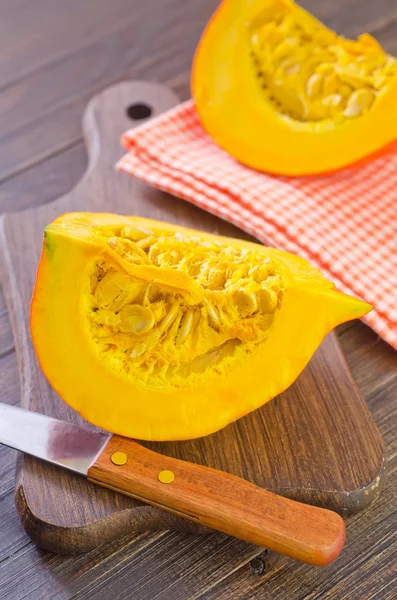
x,y
166,476
119,458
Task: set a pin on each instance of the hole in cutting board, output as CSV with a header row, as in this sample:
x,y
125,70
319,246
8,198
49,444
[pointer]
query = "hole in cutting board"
x,y
139,111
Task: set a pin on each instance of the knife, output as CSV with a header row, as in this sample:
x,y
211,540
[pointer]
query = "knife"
x,y
213,498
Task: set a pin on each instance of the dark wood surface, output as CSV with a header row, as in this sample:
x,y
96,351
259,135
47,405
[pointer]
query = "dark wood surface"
x,y
54,56
316,442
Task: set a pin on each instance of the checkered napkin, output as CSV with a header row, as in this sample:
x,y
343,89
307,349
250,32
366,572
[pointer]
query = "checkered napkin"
x,y
345,223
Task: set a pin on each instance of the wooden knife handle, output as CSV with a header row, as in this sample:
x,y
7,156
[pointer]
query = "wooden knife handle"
x,y
221,501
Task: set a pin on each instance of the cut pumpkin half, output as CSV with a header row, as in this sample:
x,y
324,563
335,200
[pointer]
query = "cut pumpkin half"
x,y
284,94
158,332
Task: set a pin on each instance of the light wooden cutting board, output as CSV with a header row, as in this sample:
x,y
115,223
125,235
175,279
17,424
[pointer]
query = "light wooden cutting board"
x,y
316,442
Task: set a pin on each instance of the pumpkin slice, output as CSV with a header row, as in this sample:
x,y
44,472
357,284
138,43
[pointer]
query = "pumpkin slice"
x,y
158,332
282,93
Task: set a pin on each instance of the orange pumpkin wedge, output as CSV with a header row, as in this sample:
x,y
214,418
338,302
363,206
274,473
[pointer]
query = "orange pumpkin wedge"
x,y
158,332
284,94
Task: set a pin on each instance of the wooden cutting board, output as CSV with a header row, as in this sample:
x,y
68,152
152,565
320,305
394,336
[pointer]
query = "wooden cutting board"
x,y
316,442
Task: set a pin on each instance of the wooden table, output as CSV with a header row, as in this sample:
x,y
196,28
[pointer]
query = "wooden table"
x,y
54,57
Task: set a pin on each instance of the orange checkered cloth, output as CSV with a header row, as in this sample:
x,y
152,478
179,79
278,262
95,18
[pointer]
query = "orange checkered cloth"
x,y
345,223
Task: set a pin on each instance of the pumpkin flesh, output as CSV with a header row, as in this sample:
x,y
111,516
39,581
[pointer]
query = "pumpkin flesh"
x,y
152,331
284,94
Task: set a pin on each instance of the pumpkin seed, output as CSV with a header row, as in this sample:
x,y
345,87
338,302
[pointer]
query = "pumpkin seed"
x,y
313,85
186,327
291,69
145,243
285,48
135,233
325,69
216,280
106,292
246,302
136,319
170,336
360,101
112,286
267,300
170,317
330,84
332,100
230,251
159,311
128,250
138,350
212,313
126,298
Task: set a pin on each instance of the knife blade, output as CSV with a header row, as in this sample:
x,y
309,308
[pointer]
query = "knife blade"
x,y
214,498
54,441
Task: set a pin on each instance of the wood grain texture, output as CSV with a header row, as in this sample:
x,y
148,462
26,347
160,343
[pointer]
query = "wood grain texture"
x,y
221,501
169,565
316,442
51,122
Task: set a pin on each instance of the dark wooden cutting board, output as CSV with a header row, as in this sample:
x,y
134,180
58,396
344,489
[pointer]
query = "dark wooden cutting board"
x,y
316,442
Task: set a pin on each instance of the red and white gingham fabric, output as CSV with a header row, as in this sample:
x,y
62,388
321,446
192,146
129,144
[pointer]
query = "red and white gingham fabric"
x,y
345,223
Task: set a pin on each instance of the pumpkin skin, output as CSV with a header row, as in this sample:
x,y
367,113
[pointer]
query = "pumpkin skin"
x,y
247,320
283,94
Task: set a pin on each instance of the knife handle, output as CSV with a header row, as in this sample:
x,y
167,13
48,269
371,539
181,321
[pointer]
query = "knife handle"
x,y
219,500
